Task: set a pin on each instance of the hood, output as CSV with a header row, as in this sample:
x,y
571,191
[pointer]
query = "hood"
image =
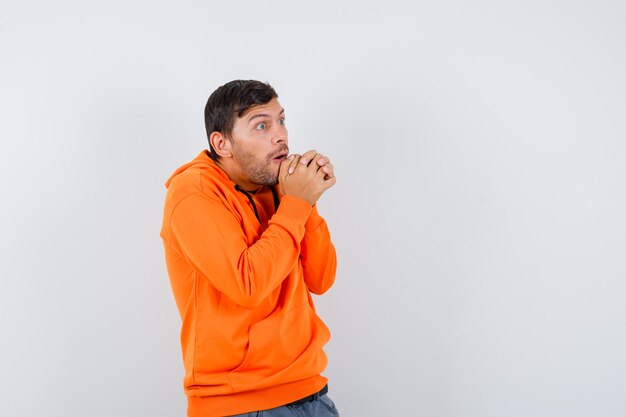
x,y
205,165
202,161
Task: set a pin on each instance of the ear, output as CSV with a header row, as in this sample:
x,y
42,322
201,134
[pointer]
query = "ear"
x,y
221,144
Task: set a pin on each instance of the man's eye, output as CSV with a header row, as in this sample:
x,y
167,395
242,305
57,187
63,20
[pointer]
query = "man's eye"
x,y
261,126
282,121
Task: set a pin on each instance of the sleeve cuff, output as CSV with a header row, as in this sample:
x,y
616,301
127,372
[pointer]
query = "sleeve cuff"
x,y
295,208
314,221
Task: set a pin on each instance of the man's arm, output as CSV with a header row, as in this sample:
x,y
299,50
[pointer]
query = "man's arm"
x,y
318,256
213,242
319,260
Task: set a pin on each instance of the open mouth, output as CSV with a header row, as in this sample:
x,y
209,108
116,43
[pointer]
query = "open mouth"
x,y
280,157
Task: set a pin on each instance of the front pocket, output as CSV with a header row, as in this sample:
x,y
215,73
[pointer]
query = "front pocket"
x,y
325,399
276,342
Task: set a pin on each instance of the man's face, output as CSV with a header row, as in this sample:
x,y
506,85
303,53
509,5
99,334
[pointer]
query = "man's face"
x,y
259,143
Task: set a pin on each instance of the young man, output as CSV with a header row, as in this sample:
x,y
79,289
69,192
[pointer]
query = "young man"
x,y
245,247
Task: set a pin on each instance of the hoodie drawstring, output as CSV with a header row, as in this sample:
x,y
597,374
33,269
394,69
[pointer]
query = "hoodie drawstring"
x,y
256,213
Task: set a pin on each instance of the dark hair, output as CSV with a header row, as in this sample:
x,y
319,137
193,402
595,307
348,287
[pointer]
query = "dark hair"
x,y
230,100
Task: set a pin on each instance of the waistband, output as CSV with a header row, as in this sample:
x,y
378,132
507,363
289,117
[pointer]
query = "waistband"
x,y
311,397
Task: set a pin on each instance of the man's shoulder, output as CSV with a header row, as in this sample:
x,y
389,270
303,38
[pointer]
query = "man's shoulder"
x,y
199,175
194,180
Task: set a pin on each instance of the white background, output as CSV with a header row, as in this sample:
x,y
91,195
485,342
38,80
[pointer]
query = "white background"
x,y
479,214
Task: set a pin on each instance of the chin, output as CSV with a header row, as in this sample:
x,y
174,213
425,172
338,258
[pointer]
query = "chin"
x,y
274,178
268,180
272,181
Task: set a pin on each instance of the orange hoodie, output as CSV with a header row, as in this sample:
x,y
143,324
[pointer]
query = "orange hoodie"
x,y
242,273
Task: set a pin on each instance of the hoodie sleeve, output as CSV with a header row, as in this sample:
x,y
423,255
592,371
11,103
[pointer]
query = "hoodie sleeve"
x,y
319,260
211,239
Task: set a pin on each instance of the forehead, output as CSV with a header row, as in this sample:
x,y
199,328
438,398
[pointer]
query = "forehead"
x,y
271,108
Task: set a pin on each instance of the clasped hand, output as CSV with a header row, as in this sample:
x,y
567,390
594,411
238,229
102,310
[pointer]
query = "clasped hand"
x,y
306,176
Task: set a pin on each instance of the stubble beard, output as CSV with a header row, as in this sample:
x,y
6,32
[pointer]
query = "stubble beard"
x,y
258,171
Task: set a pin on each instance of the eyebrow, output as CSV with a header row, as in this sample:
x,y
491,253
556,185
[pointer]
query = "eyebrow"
x,y
264,115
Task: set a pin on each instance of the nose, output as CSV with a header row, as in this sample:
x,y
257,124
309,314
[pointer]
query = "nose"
x,y
280,135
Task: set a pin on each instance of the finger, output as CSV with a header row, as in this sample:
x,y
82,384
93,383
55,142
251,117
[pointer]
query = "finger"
x,y
323,161
329,183
314,163
307,157
283,169
294,163
322,175
328,169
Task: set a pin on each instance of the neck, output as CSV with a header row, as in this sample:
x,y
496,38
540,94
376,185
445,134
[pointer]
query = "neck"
x,y
235,176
